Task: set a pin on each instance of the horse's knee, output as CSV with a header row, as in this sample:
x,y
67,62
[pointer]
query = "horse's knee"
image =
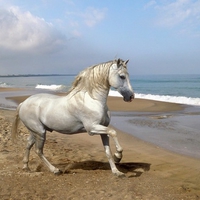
x,y
117,157
90,133
39,152
112,133
30,144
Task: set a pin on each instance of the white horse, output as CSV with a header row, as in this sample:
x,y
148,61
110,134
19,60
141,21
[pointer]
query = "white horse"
x,y
83,109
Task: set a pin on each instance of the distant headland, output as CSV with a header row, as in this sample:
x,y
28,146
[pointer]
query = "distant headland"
x,y
35,75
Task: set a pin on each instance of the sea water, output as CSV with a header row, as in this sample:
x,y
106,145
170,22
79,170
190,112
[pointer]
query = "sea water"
x,y
184,89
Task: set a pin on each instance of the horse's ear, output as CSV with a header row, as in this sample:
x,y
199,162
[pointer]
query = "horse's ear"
x,y
118,61
115,66
126,62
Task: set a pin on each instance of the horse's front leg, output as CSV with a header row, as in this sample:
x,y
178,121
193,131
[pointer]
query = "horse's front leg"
x,y
118,155
104,132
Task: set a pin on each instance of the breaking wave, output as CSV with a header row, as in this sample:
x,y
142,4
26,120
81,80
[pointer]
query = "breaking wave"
x,y
49,87
165,98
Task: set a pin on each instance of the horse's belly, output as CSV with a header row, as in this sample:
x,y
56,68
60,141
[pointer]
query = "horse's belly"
x,y
69,127
72,130
69,132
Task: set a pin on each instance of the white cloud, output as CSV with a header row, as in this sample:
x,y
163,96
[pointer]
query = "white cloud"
x,y
76,33
175,12
184,14
149,4
92,16
22,31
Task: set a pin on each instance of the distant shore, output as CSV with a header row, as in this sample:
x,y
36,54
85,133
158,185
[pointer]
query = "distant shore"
x,y
35,75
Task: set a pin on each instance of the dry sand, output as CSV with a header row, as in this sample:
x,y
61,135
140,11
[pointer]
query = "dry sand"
x,y
151,172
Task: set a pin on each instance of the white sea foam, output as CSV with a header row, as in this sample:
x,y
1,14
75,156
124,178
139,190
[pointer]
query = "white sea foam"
x,y
49,87
164,98
4,85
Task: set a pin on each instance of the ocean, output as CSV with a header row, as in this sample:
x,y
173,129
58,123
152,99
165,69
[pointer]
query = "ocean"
x,y
184,89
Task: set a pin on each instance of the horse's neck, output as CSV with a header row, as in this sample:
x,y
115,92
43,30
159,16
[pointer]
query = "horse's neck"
x,y
100,95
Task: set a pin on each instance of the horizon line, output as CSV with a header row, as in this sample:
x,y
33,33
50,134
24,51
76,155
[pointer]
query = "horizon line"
x,y
32,75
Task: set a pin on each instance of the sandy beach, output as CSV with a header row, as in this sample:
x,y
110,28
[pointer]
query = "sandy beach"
x,y
152,172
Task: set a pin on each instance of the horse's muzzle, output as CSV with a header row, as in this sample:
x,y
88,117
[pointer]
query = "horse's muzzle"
x,y
130,98
127,94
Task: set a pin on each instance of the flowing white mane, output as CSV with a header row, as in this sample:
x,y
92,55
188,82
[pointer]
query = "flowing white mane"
x,y
94,77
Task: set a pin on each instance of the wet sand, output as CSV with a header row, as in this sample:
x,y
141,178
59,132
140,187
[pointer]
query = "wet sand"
x,y
178,132
152,172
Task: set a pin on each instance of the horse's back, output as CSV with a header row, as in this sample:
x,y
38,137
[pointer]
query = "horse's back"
x,y
41,97
35,104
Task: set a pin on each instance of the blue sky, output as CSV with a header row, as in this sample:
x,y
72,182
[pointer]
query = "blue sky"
x,y
50,36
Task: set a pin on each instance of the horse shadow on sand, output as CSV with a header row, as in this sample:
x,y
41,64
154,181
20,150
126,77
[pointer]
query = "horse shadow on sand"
x,y
130,169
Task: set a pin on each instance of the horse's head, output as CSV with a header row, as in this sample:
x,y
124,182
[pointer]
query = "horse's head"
x,y
119,79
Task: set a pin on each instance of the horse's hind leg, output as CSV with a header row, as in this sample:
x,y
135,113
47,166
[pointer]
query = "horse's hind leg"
x,y
39,144
30,143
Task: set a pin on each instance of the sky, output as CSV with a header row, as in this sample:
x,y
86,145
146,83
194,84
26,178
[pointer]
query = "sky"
x,y
66,36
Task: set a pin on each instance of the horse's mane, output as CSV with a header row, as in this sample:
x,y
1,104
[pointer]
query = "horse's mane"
x,y
94,77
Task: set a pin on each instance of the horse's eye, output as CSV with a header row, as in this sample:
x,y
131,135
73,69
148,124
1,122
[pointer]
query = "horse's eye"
x,y
122,77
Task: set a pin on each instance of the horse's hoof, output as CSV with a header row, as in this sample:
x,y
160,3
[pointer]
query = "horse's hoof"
x,y
116,159
26,169
120,174
57,172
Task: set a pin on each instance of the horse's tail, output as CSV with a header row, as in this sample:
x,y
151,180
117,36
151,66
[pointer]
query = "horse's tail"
x,y
14,132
